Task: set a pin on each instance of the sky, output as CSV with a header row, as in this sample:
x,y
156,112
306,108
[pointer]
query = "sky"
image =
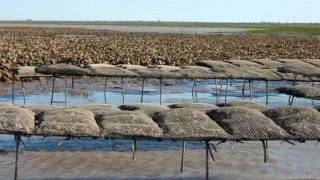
x,y
163,10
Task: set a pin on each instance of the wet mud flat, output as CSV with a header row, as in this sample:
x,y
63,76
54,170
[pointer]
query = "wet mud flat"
x,y
101,159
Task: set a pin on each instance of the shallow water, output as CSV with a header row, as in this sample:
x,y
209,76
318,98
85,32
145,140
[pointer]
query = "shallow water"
x,y
57,158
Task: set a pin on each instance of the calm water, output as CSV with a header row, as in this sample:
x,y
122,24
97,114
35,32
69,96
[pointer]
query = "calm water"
x,y
57,158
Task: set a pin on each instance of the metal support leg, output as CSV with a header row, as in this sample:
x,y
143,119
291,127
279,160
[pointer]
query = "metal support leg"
x,y
267,92
226,92
264,151
65,91
195,90
122,89
266,144
134,149
142,90
160,91
182,156
18,139
47,79
72,82
312,101
12,90
105,89
193,87
23,91
207,160
294,81
211,154
216,89
250,89
243,87
220,90
213,147
291,102
52,91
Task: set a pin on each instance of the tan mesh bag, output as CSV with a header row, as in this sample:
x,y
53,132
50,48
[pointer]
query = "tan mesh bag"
x,y
129,124
68,122
189,124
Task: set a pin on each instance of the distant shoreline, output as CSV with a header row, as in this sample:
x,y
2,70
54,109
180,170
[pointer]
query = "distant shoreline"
x,y
156,23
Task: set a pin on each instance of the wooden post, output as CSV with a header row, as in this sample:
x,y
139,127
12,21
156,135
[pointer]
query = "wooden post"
x,y
18,139
52,91
182,156
142,90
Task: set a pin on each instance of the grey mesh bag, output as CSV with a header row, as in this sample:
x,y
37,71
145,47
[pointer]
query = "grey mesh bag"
x,y
300,122
16,120
243,123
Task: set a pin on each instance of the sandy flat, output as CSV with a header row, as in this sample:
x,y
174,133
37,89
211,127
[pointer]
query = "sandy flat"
x,y
124,28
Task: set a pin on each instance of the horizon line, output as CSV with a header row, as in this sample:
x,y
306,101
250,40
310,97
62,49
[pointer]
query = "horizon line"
x,y
154,21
